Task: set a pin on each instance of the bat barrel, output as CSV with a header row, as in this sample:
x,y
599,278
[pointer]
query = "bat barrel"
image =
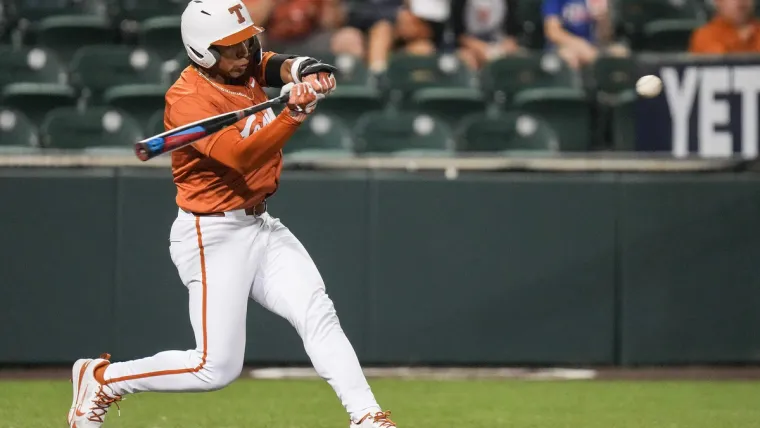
x,y
185,135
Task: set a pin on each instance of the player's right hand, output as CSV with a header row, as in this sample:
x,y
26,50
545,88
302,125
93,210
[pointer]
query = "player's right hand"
x,y
303,98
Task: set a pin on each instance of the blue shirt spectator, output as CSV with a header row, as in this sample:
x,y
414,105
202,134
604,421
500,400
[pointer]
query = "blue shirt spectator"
x,y
578,29
574,15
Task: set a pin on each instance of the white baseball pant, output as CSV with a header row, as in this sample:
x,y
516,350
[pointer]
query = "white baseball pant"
x,y
223,261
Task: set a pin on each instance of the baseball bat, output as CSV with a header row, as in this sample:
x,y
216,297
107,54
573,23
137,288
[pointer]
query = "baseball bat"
x,y
185,135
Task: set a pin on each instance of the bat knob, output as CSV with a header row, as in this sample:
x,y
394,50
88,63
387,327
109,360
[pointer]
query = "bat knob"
x,y
141,152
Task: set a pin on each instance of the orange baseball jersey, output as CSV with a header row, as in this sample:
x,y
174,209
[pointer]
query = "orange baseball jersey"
x,y
720,36
204,184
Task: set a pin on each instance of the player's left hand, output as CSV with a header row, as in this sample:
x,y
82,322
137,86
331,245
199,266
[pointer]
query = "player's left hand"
x,y
319,74
323,82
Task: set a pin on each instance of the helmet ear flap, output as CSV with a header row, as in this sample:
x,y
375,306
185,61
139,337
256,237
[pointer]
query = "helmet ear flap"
x,y
254,44
215,53
204,60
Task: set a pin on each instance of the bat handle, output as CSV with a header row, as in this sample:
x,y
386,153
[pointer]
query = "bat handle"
x,y
284,98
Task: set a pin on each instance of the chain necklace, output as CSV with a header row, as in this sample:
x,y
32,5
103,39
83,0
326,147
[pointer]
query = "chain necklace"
x,y
222,88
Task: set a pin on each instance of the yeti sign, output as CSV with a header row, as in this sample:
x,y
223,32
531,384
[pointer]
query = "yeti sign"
x,y
706,109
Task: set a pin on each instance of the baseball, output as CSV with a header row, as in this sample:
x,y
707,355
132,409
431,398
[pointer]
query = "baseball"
x,y
649,86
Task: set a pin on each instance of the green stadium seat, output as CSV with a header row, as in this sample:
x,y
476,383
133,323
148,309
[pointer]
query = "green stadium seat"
x,y
34,65
174,67
140,10
449,104
70,128
669,35
36,10
508,131
410,73
403,134
139,100
17,132
350,102
624,122
634,15
639,12
66,34
6,33
155,124
96,68
321,135
503,78
566,110
530,15
614,74
36,99
162,35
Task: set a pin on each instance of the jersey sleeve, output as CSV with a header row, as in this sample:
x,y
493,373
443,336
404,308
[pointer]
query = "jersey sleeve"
x,y
551,8
192,108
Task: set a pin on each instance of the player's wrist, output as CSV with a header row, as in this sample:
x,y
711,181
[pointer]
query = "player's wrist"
x,y
293,116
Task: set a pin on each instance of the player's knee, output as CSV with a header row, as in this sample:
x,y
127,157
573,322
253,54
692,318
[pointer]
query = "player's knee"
x,y
221,378
220,371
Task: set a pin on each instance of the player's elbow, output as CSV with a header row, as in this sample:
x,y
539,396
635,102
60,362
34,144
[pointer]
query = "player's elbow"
x,y
239,166
247,164
241,155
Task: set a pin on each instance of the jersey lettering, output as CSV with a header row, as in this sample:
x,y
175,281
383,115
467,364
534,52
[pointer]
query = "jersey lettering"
x,y
267,118
247,127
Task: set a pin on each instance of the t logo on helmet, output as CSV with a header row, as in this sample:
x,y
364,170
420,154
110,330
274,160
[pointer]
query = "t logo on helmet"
x,y
237,10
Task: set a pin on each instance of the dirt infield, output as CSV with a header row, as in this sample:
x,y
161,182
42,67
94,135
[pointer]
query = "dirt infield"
x,y
650,373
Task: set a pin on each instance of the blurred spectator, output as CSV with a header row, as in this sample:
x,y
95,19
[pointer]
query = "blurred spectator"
x,y
260,10
420,25
297,26
369,32
577,29
734,29
485,29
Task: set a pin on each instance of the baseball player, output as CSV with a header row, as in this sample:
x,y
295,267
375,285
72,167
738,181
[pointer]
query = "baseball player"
x,y
225,245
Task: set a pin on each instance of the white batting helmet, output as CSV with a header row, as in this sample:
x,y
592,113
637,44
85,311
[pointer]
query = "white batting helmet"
x,y
214,22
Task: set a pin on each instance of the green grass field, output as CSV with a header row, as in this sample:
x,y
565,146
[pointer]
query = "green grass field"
x,y
415,404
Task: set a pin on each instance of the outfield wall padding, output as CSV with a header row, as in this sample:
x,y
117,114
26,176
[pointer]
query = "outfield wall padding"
x,y
490,268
